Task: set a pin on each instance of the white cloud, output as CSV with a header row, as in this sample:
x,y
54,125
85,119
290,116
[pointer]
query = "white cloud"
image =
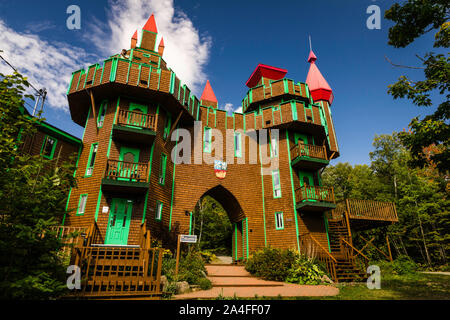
x,y
48,65
230,109
186,52
238,110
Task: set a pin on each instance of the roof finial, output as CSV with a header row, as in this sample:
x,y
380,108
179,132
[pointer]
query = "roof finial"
x,y
310,45
312,57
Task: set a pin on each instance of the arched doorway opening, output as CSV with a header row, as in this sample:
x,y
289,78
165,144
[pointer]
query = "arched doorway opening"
x,y
220,224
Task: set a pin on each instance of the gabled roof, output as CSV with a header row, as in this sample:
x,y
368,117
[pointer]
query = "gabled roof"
x,y
265,71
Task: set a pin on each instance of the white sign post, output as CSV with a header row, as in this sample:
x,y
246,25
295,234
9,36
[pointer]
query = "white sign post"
x,y
186,238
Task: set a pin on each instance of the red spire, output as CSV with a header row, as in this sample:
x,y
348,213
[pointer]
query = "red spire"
x,y
134,37
161,44
134,40
161,47
208,93
151,24
318,86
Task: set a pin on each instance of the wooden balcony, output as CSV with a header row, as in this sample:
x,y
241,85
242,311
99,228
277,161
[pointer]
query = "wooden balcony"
x,y
315,198
310,157
365,214
126,177
135,126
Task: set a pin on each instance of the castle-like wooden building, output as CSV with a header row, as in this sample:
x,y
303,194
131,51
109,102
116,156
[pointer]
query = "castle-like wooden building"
x,y
130,186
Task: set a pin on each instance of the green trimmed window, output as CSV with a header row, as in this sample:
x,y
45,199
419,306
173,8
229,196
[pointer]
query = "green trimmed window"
x,y
167,124
159,209
207,136
48,147
91,161
279,221
276,184
237,144
101,114
162,169
82,204
273,147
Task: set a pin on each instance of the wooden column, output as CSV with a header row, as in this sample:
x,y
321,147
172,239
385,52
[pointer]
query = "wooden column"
x,y
93,108
173,126
388,247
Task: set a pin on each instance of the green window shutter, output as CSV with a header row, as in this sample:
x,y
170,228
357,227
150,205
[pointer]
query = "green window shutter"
x,y
159,209
48,147
207,140
279,221
167,124
91,161
82,204
276,184
162,169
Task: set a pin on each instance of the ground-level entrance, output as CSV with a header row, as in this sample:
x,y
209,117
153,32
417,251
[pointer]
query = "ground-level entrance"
x,y
119,222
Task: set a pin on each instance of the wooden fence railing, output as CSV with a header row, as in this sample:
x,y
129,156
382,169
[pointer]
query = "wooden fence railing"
x,y
315,193
126,171
308,150
69,237
312,248
352,254
366,209
136,119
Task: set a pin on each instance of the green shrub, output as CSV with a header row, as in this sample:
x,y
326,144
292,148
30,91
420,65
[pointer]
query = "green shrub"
x,y
192,267
271,263
168,268
304,271
204,284
207,256
404,265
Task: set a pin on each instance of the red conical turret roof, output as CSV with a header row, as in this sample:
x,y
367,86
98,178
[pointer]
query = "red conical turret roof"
x,y
208,93
318,86
151,24
134,37
161,43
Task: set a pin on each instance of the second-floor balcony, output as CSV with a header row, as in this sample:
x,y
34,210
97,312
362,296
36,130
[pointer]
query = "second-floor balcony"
x,y
124,176
307,156
135,126
315,198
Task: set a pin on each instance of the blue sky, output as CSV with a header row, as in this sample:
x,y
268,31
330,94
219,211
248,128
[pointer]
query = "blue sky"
x,y
228,40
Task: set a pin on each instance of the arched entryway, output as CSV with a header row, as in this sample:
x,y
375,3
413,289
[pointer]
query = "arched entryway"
x,y
236,216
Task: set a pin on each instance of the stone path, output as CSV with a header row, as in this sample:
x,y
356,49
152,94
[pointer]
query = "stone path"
x,y
230,281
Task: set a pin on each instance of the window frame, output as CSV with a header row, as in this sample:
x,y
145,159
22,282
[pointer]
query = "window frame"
x,y
276,147
168,123
52,153
103,108
236,153
79,203
162,169
158,205
205,148
273,184
277,227
93,145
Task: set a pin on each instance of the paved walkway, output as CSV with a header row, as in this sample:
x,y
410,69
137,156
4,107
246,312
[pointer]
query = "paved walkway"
x,y
231,281
437,272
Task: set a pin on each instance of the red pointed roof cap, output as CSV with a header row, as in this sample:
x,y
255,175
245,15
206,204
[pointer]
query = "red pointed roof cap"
x,y
318,86
161,43
151,24
312,57
265,71
208,93
134,35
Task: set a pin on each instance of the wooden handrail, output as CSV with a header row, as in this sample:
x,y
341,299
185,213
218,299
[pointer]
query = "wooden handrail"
x,y
133,171
317,193
308,150
310,247
136,119
353,248
322,248
374,246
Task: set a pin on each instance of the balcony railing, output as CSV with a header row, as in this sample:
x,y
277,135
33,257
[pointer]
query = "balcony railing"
x,y
308,150
136,119
126,171
315,193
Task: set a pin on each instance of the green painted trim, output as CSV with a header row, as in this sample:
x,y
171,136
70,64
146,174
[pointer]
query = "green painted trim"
x,y
263,202
190,223
173,180
205,149
243,238
112,75
98,203
79,202
246,231
164,167
282,221
58,132
326,229
123,183
82,72
316,203
103,106
70,84
293,191
52,153
235,242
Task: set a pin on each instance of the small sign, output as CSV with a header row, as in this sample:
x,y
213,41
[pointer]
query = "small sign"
x,y
105,209
188,238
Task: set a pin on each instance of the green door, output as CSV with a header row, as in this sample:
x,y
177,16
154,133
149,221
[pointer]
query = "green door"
x,y
305,140
128,166
307,181
119,222
136,120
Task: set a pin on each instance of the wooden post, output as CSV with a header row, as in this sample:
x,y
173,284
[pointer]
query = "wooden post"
x,y
348,221
388,247
178,255
173,126
93,108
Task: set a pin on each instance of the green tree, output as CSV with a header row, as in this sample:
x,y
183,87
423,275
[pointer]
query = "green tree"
x,y
33,195
412,19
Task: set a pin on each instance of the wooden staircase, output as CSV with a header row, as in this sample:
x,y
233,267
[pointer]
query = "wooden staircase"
x,y
117,271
